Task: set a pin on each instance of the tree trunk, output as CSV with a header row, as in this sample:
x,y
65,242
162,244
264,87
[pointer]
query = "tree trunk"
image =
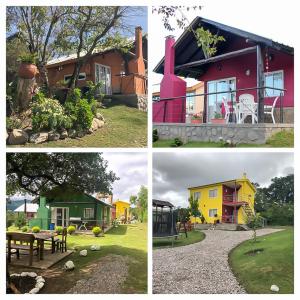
x,y
44,78
25,89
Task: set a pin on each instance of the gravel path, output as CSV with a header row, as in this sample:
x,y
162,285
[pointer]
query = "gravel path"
x,y
201,267
107,277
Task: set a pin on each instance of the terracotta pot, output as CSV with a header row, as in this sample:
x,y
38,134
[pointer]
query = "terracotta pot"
x,y
196,121
27,71
218,121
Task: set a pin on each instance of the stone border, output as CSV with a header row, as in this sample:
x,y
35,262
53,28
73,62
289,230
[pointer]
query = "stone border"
x,y
40,281
235,133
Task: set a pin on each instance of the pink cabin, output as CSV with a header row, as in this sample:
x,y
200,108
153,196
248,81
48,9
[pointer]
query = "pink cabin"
x,y
245,63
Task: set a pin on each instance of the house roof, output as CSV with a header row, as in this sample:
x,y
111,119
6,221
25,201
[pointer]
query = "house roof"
x,y
161,203
30,207
187,50
229,183
121,201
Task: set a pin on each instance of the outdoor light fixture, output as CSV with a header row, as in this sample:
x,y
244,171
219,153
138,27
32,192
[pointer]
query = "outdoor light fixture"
x,y
248,72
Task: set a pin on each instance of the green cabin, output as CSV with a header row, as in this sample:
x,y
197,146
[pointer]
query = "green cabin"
x,y
65,206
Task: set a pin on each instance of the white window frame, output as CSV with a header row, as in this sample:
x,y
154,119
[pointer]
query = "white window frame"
x,y
274,91
215,95
91,213
215,194
108,92
212,209
79,79
188,101
198,197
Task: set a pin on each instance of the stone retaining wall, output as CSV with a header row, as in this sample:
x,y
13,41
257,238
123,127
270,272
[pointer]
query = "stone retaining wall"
x,y
133,100
236,133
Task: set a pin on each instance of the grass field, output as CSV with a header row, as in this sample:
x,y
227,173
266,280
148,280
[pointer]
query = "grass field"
x,y
283,139
273,264
193,237
125,127
127,240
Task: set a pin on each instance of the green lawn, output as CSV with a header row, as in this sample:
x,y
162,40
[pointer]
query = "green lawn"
x,y
125,127
127,240
274,264
193,237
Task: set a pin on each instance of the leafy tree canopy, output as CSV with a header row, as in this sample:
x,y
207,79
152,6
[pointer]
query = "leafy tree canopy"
x,y
140,203
35,173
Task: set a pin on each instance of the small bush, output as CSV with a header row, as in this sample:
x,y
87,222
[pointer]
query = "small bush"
x,y
35,229
28,58
13,123
84,114
97,230
49,114
177,143
155,135
59,229
24,229
71,229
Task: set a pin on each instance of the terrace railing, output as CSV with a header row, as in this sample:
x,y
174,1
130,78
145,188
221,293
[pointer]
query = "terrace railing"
x,y
163,113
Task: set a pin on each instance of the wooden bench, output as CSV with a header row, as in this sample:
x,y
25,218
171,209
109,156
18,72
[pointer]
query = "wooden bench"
x,y
21,241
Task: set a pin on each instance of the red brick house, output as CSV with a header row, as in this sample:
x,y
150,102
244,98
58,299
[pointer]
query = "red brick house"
x,y
120,74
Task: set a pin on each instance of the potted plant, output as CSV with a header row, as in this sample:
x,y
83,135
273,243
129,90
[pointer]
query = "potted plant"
x,y
197,118
27,68
218,119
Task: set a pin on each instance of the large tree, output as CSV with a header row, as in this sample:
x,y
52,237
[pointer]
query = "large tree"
x,y
42,29
35,173
89,28
140,203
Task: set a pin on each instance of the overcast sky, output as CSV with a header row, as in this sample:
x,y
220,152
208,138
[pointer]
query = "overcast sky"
x,y
173,172
131,167
273,19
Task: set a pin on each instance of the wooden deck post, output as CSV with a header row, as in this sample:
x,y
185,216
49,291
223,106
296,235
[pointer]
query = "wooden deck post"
x,y
260,84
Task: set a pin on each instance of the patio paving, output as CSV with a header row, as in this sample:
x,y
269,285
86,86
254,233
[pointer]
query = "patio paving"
x,y
200,268
48,261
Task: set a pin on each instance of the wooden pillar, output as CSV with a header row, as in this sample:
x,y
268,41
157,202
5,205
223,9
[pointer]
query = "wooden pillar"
x,y
260,83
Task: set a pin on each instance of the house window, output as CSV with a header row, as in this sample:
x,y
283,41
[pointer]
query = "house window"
x,y
81,76
197,195
213,212
88,213
222,87
273,80
190,103
213,193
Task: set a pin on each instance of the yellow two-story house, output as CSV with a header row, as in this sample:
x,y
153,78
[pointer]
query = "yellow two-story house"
x,y
229,201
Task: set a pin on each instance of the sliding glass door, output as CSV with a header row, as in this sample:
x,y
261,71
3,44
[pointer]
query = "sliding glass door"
x,y
214,101
103,75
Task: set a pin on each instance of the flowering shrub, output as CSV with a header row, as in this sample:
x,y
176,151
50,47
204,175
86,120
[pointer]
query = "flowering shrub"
x,y
49,114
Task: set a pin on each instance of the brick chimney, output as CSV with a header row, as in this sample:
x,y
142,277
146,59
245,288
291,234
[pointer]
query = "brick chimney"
x,y
137,65
171,86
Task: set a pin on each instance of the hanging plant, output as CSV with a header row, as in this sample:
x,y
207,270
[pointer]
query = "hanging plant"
x,y
207,41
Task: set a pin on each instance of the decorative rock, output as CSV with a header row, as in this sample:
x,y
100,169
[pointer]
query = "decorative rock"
x,y
38,138
15,275
83,253
80,134
34,291
99,123
39,279
18,137
24,274
72,133
100,117
53,136
39,285
63,135
7,135
90,131
95,247
32,274
94,125
69,265
274,288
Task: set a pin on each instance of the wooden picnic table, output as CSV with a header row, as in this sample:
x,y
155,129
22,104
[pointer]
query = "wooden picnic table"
x,y
41,237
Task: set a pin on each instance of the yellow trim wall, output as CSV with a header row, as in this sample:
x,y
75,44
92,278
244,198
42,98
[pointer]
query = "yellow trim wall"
x,y
120,208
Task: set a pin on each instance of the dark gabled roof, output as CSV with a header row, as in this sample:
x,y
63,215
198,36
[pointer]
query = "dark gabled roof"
x,y
161,203
98,200
187,50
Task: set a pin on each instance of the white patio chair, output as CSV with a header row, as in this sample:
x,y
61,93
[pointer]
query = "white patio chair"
x,y
227,110
269,109
247,107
